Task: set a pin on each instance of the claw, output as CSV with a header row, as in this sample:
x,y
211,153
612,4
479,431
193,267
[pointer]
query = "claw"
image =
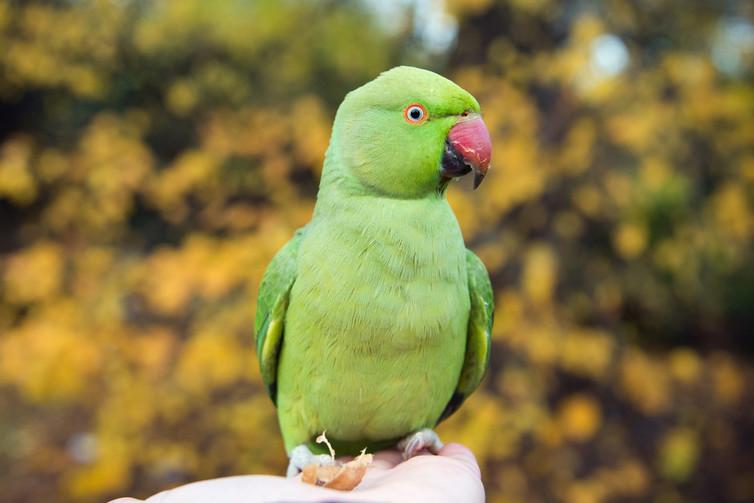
x,y
422,439
301,456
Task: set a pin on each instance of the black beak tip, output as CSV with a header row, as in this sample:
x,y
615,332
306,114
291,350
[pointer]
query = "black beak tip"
x,y
478,177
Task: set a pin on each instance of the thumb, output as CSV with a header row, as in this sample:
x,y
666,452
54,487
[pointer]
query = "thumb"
x,y
463,455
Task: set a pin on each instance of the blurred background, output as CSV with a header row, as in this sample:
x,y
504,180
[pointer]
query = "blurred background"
x,y
154,155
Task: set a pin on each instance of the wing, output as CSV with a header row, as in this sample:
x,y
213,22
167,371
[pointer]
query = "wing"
x,y
479,333
272,304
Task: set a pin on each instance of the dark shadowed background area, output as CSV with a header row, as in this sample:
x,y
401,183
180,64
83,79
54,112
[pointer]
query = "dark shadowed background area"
x,y
154,155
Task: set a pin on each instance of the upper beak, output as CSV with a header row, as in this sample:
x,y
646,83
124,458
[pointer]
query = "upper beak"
x,y
467,148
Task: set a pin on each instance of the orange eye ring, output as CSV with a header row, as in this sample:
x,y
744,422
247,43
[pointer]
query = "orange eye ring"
x,y
415,114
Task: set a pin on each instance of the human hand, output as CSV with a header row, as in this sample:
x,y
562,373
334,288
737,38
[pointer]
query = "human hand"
x,y
451,476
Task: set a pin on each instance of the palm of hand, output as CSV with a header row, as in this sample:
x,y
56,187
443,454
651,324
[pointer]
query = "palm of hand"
x,y
451,476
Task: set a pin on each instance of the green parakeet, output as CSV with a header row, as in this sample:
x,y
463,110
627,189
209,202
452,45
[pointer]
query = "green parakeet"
x,y
373,322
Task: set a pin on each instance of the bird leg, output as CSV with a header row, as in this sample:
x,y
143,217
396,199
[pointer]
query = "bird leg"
x,y
301,456
422,439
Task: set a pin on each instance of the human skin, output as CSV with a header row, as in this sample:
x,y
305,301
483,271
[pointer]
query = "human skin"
x,y
451,476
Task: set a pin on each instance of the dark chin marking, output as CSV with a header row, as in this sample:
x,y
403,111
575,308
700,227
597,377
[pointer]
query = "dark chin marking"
x,y
452,164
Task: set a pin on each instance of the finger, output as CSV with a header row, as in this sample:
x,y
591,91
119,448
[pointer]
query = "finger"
x,y
451,476
245,489
389,458
462,454
424,452
386,459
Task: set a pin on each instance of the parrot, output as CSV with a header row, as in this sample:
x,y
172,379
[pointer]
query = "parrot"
x,y
374,320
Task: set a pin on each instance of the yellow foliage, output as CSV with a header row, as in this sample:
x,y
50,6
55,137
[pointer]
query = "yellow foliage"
x,y
630,240
679,452
540,274
98,478
49,359
685,365
16,180
732,212
579,417
198,369
34,274
644,382
728,382
587,352
588,200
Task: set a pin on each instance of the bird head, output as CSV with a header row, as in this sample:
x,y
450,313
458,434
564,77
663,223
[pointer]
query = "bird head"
x,y
408,132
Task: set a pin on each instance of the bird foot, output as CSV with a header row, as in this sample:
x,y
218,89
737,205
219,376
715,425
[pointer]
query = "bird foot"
x,y
422,439
301,456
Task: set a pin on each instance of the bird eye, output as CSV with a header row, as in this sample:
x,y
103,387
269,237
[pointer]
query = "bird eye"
x,y
415,113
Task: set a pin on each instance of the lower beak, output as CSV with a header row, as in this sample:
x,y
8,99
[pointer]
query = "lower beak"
x,y
467,148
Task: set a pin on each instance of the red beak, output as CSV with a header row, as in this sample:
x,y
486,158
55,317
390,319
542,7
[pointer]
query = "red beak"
x,y
471,140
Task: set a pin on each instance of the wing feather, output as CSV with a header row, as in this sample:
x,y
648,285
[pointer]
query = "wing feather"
x,y
272,305
479,333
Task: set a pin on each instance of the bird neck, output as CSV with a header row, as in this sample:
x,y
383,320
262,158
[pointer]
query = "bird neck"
x,y
346,206
340,178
